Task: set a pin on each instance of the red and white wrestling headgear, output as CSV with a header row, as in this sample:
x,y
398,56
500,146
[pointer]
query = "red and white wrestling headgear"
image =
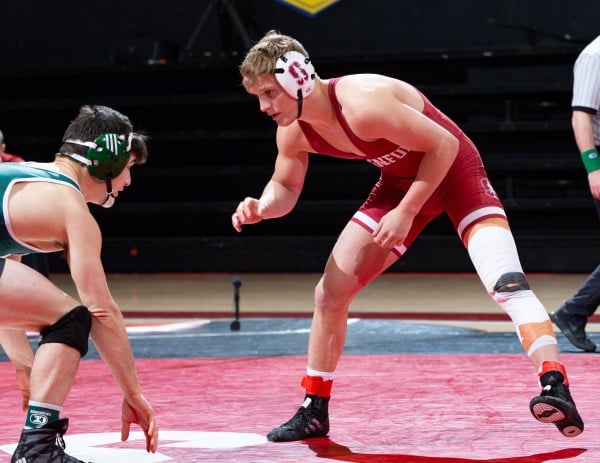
x,y
296,75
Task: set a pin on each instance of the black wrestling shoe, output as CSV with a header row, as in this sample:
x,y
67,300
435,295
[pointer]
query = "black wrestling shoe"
x,y
311,420
573,329
44,445
555,405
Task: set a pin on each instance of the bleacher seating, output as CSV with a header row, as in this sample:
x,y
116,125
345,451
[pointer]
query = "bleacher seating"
x,y
210,147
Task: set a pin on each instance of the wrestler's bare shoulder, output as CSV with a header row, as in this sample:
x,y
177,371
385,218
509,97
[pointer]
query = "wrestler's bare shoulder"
x,y
358,89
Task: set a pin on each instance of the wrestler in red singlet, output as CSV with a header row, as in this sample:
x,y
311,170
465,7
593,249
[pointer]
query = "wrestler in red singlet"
x,y
428,166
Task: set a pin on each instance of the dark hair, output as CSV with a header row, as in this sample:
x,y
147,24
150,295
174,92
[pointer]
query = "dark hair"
x,y
139,147
94,120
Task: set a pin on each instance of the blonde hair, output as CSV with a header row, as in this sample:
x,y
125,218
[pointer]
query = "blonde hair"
x,y
262,57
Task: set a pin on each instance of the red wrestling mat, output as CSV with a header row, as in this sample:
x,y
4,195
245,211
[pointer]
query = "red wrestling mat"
x,y
385,408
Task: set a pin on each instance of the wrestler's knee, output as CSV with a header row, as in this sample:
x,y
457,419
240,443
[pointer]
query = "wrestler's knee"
x,y
72,329
511,282
512,292
332,297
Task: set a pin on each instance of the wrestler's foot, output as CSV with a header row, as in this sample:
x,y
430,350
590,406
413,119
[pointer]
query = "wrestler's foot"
x,y
44,445
555,405
311,420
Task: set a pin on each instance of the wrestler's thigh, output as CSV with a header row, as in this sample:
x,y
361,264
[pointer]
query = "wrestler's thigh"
x,y
356,259
29,300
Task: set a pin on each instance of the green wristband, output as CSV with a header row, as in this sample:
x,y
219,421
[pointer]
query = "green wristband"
x,y
591,160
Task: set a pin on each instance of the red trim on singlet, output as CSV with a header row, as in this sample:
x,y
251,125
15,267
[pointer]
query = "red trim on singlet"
x,y
321,146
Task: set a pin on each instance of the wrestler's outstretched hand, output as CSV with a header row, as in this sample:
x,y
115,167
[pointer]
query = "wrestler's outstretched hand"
x,y
136,409
248,211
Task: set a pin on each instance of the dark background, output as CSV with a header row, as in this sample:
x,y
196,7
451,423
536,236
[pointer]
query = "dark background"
x,y
502,69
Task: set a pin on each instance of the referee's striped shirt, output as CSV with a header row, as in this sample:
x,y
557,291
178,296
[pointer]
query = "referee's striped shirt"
x,y
586,84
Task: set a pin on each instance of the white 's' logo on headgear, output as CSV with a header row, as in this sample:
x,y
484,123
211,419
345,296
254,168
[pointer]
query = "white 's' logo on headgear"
x,y
295,73
298,73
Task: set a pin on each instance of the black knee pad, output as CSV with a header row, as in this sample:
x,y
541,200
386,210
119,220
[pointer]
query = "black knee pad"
x,y
72,329
511,282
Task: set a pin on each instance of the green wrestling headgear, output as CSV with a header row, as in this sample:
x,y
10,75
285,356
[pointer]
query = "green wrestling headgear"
x,y
106,157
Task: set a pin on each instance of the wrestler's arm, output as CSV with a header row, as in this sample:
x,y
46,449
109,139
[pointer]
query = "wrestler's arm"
x,y
385,115
281,193
17,348
380,108
83,250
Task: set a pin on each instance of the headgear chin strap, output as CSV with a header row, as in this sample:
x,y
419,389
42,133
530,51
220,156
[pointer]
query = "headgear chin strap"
x,y
106,157
296,75
109,201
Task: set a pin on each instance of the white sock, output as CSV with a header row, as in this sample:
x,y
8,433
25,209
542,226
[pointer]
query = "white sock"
x,y
327,376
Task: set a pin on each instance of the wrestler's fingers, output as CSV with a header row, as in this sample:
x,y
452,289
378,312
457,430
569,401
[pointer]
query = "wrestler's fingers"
x,y
151,436
246,208
236,222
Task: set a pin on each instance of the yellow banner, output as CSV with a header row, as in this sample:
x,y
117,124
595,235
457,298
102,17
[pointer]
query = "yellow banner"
x,y
310,7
